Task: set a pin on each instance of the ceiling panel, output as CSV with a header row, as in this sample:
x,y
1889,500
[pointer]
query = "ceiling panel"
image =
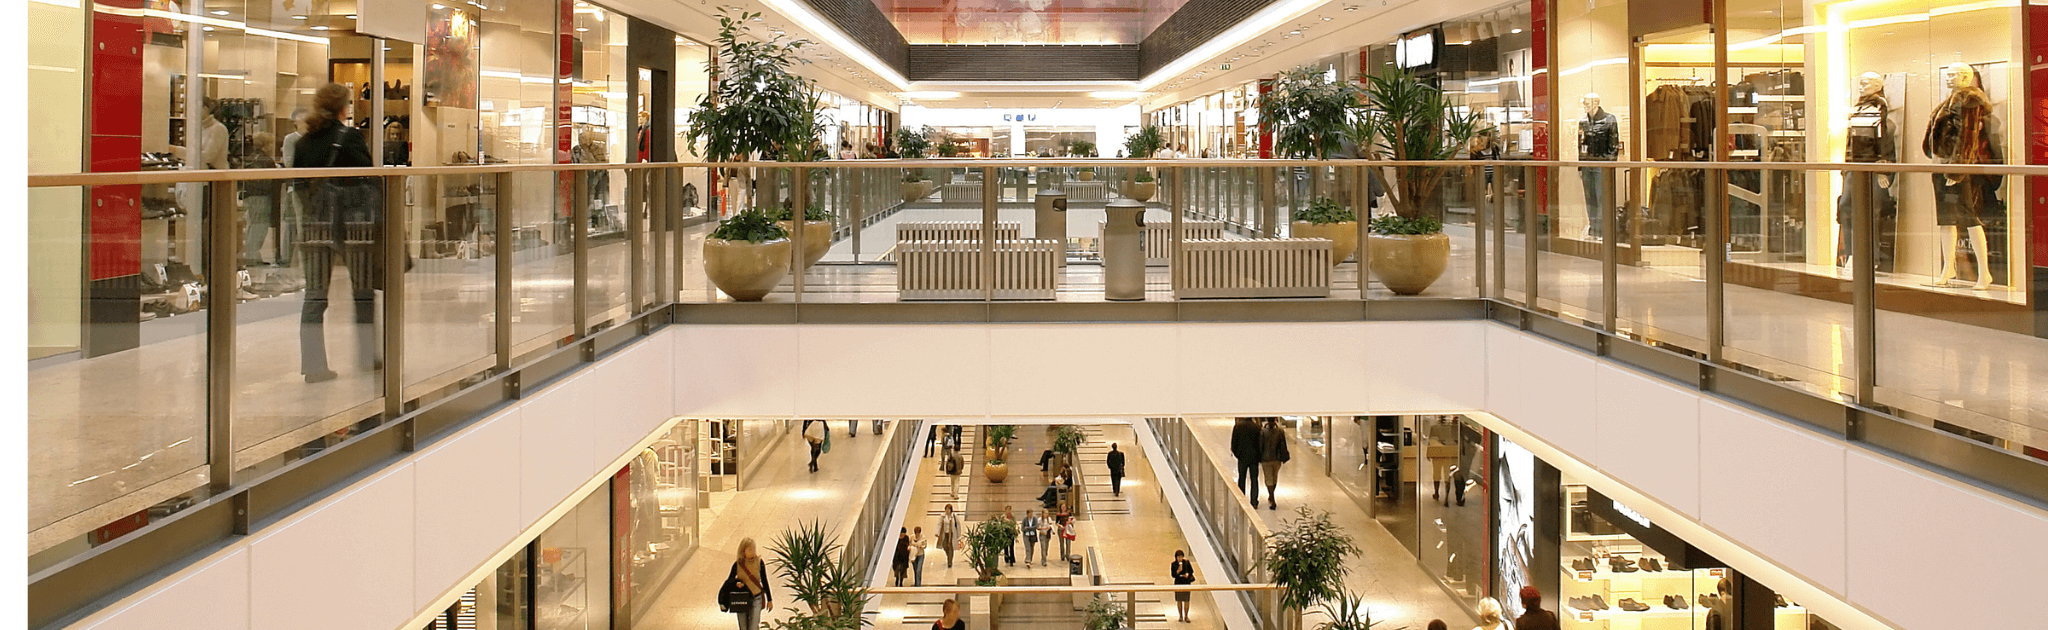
x,y
1027,21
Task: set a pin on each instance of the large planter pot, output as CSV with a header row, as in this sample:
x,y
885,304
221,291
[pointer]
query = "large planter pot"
x,y
913,191
817,239
1141,191
1408,263
1087,176
746,270
996,472
1343,237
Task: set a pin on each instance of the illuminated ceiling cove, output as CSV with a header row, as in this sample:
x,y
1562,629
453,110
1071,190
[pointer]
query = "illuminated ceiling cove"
x,y
1027,21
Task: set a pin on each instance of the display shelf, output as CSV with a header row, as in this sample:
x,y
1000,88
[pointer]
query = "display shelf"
x,y
1658,612
1603,574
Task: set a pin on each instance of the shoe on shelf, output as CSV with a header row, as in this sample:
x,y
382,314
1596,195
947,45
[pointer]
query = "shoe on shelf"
x,y
1619,564
1582,564
1631,605
1582,603
1600,601
1678,602
1650,564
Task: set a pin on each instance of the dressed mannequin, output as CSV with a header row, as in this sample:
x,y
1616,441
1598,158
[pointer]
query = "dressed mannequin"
x,y
1963,131
1599,140
1871,140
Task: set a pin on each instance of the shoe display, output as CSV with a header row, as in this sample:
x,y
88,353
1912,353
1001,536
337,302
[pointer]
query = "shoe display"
x,y
1631,605
1650,564
1599,601
1582,564
1678,602
1582,603
1619,564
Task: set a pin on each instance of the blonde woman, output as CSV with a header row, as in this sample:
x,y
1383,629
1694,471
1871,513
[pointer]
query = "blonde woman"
x,y
751,574
949,617
1490,617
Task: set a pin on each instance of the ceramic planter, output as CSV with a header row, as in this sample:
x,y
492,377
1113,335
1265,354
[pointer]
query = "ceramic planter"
x,y
913,191
1343,237
746,270
817,239
1087,176
1141,191
996,472
1408,263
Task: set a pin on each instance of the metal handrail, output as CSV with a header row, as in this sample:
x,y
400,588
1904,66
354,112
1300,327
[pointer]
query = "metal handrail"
x,y
49,180
1106,588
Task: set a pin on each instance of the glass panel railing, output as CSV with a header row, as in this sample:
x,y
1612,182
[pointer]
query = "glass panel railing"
x,y
609,195
1789,306
1571,245
543,254
1661,290
451,290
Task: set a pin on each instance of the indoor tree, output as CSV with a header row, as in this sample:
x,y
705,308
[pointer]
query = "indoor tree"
x,y
817,572
757,107
986,541
1307,559
1410,120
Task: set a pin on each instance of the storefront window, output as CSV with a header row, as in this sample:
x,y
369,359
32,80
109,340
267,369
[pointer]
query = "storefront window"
x,y
663,510
572,578
1455,518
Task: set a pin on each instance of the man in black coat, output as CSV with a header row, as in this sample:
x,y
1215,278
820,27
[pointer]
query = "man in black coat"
x,y
1245,446
1116,470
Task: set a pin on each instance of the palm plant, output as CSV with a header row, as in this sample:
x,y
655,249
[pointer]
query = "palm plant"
x,y
986,541
1147,141
1307,557
1411,120
1347,612
1103,614
815,569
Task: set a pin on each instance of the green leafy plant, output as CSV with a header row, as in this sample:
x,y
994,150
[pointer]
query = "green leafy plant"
x,y
1085,169
1143,177
1347,612
1081,148
1411,120
754,226
813,213
1324,210
986,541
1067,440
1394,224
1308,113
949,146
1102,614
759,106
913,144
1147,141
911,177
1306,559
999,435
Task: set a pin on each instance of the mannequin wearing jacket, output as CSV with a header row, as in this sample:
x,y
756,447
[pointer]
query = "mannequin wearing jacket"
x,y
1871,140
1963,131
1599,140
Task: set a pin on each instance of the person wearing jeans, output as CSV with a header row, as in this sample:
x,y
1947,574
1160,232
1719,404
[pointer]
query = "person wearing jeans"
x,y
917,544
1029,529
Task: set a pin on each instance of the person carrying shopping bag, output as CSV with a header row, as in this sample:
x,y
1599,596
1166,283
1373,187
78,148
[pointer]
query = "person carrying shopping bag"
x,y
745,592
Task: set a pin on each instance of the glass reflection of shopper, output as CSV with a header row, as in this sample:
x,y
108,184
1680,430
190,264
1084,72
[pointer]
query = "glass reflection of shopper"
x,y
341,223
259,200
1183,573
1272,453
752,572
288,222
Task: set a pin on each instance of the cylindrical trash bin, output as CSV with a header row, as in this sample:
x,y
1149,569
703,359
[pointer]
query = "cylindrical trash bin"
x,y
1052,220
1123,251
1074,564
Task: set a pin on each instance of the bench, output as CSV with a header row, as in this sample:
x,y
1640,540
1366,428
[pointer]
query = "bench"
x,y
1157,238
954,231
1025,269
1254,268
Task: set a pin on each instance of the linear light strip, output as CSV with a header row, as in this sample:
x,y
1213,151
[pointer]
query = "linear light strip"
x,y
819,27
1267,18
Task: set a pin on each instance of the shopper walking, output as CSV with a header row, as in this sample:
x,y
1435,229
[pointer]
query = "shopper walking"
x,y
1183,572
1010,553
949,617
342,224
1534,617
900,564
931,439
1067,535
1272,453
917,545
1116,470
1029,530
1490,616
1244,445
814,434
1047,530
949,533
853,428
746,593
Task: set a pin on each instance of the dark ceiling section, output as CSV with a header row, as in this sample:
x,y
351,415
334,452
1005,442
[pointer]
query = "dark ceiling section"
x,y
945,62
1196,22
865,23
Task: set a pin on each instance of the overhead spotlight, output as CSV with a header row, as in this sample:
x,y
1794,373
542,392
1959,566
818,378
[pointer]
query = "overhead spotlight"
x,y
298,17
350,16
219,12
208,29
1515,31
1326,18
319,28
1351,7
581,29
1294,32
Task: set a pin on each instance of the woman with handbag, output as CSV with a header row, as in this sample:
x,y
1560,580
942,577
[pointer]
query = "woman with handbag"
x,y
917,544
899,565
1273,453
342,222
1067,535
745,592
814,434
949,534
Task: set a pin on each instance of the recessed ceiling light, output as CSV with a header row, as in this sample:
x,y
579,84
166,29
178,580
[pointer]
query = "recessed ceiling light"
x,y
298,17
350,16
1515,31
219,11
580,29
320,28
208,29
1326,19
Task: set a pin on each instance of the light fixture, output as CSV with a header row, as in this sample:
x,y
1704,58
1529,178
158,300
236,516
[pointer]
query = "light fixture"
x,y
1326,18
298,17
350,16
581,29
208,29
219,12
1515,31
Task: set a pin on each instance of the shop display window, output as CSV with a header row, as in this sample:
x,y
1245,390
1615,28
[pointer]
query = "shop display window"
x,y
572,576
1455,516
663,512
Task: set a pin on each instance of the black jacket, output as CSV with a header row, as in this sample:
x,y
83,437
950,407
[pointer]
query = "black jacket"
x,y
762,570
1116,463
1272,441
1244,441
1537,620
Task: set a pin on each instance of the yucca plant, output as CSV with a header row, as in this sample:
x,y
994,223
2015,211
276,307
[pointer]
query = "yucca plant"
x,y
818,572
1102,614
986,541
1411,120
1347,612
1307,558
1147,141
1067,440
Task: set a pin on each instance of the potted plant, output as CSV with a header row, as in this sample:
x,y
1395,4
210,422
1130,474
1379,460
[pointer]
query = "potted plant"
x,y
995,465
1102,614
1066,445
986,541
817,230
1081,148
817,572
757,108
747,255
1347,611
1309,116
1307,559
1411,121
913,145
1141,145
1085,173
1326,219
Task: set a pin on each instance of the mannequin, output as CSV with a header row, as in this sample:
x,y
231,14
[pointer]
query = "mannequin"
x,y
1599,140
1870,141
1963,132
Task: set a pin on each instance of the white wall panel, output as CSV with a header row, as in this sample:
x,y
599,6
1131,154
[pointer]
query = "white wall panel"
x,y
1097,369
735,370
345,566
1927,553
466,503
1504,374
1648,433
1558,392
1775,488
555,447
893,370
212,597
1272,368
1417,367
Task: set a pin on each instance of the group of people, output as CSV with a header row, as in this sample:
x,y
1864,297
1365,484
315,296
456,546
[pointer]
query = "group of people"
x,y
1491,617
1260,447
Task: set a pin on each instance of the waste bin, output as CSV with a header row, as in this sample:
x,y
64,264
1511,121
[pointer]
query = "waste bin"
x,y
1074,564
1052,220
1123,253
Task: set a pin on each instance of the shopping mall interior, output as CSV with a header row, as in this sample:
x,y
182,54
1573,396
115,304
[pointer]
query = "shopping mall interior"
x,y
1264,314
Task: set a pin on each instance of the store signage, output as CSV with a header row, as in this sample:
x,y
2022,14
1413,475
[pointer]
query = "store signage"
x,y
1680,553
1020,117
